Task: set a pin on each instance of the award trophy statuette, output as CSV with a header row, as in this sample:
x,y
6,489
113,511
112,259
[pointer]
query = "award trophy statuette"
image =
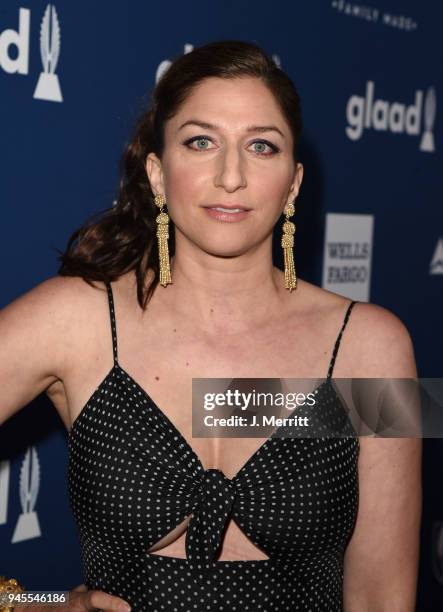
x,y
48,86
28,525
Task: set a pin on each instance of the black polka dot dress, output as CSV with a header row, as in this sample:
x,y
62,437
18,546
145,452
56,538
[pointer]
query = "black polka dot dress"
x,y
133,478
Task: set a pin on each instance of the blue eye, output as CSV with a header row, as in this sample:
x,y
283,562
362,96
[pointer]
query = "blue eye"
x,y
206,139
197,139
265,143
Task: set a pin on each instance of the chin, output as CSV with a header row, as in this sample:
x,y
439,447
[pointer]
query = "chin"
x,y
224,252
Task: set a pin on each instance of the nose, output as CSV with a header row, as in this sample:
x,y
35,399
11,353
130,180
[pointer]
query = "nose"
x,y
230,173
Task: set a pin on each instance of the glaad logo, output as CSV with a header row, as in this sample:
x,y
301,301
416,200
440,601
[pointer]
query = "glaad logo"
x,y
436,266
17,62
48,87
20,40
366,113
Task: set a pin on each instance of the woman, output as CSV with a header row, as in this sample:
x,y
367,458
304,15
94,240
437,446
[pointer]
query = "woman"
x,y
166,521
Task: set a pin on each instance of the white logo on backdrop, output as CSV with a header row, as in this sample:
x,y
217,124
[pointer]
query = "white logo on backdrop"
x,y
348,254
48,87
436,266
427,141
17,62
366,113
371,13
18,39
4,491
28,525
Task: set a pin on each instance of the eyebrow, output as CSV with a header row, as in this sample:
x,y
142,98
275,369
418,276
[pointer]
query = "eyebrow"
x,y
249,128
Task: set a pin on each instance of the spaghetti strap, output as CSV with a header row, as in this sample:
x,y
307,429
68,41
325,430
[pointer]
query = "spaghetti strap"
x,y
337,342
113,325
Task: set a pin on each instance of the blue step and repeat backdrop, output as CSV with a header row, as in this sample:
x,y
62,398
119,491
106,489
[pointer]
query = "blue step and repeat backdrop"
x,y
73,78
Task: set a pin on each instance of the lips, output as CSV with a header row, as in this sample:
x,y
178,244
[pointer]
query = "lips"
x,y
228,206
228,217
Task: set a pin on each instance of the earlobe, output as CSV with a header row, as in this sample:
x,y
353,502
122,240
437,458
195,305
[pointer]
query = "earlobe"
x,y
299,176
295,188
154,172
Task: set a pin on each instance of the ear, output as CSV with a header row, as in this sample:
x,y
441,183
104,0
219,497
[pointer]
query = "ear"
x,y
295,187
155,174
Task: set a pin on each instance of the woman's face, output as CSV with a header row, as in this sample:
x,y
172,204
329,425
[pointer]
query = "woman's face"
x,y
228,145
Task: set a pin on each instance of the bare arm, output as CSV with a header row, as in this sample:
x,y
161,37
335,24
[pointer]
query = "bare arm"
x,y
381,561
32,343
35,345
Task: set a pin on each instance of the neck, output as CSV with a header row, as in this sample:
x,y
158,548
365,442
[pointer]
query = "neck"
x,y
225,295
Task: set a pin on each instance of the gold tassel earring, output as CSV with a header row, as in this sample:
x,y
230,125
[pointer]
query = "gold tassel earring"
x,y
287,243
162,237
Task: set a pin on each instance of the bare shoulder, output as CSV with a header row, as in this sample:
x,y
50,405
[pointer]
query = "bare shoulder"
x,y
376,341
38,330
377,324
78,303
386,348
54,300
45,304
60,310
55,288
77,338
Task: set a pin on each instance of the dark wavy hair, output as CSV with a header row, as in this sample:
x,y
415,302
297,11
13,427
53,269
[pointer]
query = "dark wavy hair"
x,y
123,238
